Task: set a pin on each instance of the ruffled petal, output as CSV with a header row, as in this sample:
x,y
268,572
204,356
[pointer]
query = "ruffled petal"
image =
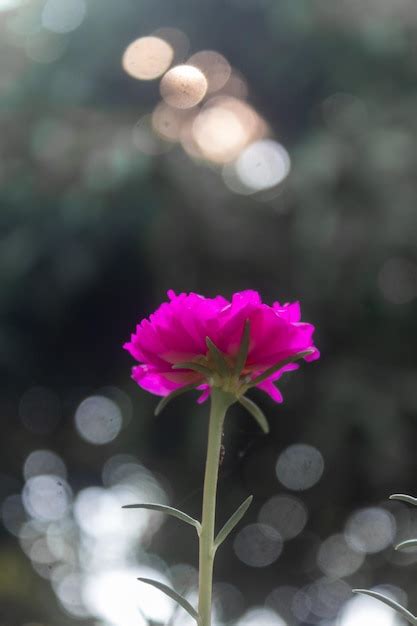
x,y
204,396
272,391
151,380
177,332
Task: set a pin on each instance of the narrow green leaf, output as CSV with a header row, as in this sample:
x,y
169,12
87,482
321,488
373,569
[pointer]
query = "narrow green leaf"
x,y
232,521
192,365
169,510
173,595
410,543
243,349
404,498
256,412
274,368
218,358
166,399
391,603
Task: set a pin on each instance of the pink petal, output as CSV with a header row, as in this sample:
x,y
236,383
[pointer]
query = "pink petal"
x,y
269,387
206,393
177,332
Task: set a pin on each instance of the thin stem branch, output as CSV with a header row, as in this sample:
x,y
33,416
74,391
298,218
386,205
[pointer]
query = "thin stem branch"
x,y
220,402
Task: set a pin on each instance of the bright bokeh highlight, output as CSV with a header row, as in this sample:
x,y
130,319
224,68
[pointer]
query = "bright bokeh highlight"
x,y
147,58
214,66
183,87
263,164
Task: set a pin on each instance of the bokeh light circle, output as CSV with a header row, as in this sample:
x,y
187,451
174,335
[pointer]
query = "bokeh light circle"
x,y
46,497
228,600
370,530
224,127
286,514
145,139
63,16
168,122
98,420
147,58
183,86
214,66
299,467
260,616
177,39
365,611
44,462
337,559
263,164
116,596
258,545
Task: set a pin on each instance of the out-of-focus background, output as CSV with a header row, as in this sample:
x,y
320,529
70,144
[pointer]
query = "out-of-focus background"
x,y
281,158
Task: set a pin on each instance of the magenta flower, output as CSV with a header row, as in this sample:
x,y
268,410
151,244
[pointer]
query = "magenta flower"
x,y
193,341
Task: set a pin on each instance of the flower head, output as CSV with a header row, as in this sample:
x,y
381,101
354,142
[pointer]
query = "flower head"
x,y
193,341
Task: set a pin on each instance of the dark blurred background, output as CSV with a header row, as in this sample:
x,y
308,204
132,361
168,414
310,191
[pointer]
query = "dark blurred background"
x,y
294,173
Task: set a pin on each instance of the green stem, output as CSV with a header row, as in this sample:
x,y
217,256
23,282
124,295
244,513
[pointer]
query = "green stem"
x,y
220,402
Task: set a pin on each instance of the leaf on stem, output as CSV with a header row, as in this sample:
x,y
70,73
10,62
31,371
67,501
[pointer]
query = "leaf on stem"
x,y
173,595
166,399
217,358
404,498
410,543
232,521
256,413
169,510
391,603
274,368
243,349
193,365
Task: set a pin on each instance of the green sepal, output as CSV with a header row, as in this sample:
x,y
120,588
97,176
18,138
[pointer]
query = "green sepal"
x,y
169,510
391,603
232,521
274,368
166,399
404,498
218,358
173,595
410,543
193,365
256,413
243,350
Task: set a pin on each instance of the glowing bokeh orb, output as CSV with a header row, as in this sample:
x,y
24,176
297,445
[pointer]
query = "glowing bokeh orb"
x,y
260,616
168,122
263,164
147,58
370,530
98,420
258,545
219,134
46,497
224,128
116,596
337,559
178,41
63,16
183,87
299,467
286,514
364,611
214,66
